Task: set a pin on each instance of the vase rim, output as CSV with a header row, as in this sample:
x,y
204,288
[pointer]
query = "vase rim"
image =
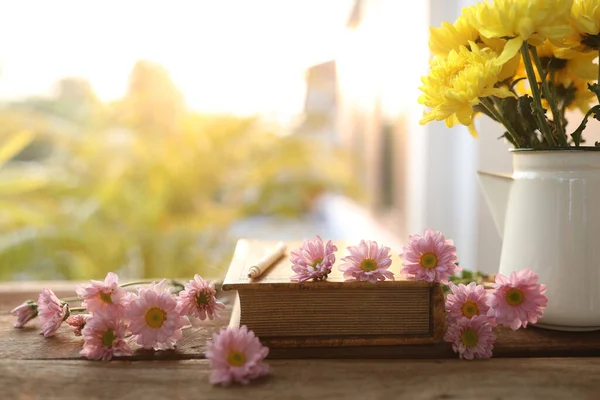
x,y
555,149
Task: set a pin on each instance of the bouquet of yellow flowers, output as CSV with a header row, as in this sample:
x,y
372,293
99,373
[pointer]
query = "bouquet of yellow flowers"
x,y
522,63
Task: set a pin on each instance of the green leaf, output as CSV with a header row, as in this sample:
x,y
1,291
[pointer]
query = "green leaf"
x,y
576,135
595,88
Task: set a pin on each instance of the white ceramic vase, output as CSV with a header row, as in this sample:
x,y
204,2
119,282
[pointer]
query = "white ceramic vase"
x,y
548,213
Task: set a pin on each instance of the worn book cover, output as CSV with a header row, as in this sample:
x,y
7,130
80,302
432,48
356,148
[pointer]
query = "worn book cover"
x,y
332,312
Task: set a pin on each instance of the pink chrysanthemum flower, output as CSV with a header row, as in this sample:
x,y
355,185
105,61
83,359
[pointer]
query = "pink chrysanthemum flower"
x,y
471,338
236,355
77,322
518,300
429,257
154,317
52,312
466,301
104,336
25,313
367,262
98,295
313,260
199,299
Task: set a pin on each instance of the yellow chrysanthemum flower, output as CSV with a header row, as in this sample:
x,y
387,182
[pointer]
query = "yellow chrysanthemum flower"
x,y
509,68
450,37
569,76
564,71
520,20
579,65
585,21
456,83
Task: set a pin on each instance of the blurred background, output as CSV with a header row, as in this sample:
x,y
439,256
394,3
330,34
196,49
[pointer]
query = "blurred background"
x,y
145,137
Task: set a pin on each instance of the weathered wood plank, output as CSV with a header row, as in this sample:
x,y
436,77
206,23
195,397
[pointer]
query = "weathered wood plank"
x,y
26,343
530,342
328,379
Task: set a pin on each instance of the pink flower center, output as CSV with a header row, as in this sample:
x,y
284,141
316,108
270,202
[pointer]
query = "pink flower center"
x,y
316,262
428,260
469,338
108,337
202,298
236,358
514,297
105,297
368,264
155,317
469,309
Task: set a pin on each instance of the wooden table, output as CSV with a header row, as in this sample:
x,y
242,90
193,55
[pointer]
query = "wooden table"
x,y
538,365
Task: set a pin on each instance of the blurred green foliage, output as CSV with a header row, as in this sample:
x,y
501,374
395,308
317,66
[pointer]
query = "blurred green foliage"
x,y
142,186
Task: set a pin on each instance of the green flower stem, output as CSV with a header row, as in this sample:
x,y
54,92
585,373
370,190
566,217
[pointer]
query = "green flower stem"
x,y
537,98
598,81
560,128
510,127
563,104
489,105
77,309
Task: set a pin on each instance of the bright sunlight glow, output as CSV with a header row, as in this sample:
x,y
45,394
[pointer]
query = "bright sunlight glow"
x,y
235,56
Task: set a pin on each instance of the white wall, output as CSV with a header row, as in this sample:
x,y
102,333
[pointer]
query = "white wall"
x,y
443,191
382,65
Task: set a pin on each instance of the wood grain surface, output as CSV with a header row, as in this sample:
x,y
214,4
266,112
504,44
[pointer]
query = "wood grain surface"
x,y
26,343
501,379
525,366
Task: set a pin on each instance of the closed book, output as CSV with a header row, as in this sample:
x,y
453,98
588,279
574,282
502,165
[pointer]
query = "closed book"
x,y
334,311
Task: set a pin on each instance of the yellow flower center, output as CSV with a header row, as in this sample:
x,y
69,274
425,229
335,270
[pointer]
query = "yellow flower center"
x,y
105,297
108,337
469,309
202,298
457,82
155,317
236,358
514,297
469,338
368,264
453,72
428,260
316,262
